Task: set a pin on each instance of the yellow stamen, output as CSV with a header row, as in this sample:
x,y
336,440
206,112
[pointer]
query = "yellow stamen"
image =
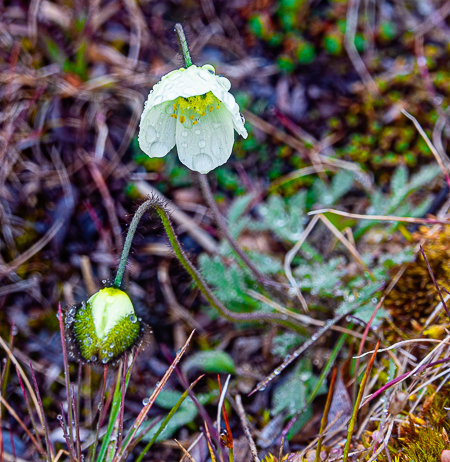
x,y
182,119
217,107
174,106
174,116
195,122
195,106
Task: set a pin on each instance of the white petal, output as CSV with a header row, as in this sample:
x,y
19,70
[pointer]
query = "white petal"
x,y
157,130
207,144
238,123
192,81
233,107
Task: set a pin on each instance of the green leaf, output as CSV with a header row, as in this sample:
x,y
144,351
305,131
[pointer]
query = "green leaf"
x,y
210,361
185,414
292,394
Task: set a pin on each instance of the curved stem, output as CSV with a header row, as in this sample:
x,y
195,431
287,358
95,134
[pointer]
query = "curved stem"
x,y
182,42
153,203
129,240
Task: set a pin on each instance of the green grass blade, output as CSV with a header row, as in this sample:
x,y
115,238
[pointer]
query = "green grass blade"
x,y
166,420
115,408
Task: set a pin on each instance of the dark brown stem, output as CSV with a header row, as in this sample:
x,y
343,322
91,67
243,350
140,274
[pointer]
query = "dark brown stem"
x,y
223,228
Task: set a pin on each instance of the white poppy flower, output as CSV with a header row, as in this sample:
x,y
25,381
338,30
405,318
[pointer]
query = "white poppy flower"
x,y
193,109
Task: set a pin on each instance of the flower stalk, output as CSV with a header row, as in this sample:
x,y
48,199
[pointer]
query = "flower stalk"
x,y
182,42
153,204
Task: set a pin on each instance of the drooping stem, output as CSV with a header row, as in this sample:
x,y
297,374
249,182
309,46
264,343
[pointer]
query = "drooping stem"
x,y
182,42
128,241
223,228
159,208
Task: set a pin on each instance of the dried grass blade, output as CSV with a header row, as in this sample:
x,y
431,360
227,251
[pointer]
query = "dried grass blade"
x,y
77,423
140,418
66,373
25,429
102,402
221,402
251,443
30,410
352,424
359,216
49,445
24,377
64,427
167,419
329,364
290,256
209,442
324,421
435,282
185,452
430,145
288,360
346,243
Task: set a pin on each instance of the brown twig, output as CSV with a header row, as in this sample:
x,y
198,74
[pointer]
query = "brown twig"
x,y
251,443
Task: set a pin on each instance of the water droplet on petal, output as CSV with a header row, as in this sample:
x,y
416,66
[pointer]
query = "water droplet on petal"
x,y
202,163
216,125
150,134
205,75
158,100
133,318
184,145
109,299
201,144
184,134
197,132
158,149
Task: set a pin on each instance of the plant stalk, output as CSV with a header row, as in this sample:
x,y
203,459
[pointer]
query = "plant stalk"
x,y
182,42
159,208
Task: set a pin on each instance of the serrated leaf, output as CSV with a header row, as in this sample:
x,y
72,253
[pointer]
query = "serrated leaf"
x,y
399,179
237,208
341,184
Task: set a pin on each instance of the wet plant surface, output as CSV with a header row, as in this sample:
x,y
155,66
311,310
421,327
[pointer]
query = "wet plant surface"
x,y
326,204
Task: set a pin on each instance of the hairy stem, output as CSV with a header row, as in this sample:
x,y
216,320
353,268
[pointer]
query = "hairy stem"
x,y
128,241
182,42
159,208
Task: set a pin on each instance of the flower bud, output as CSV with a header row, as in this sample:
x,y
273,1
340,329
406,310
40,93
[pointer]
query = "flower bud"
x,y
104,327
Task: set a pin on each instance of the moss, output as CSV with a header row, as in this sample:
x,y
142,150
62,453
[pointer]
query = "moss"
x,y
423,436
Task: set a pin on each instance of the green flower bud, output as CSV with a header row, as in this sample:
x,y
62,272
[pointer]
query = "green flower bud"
x,y
105,327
